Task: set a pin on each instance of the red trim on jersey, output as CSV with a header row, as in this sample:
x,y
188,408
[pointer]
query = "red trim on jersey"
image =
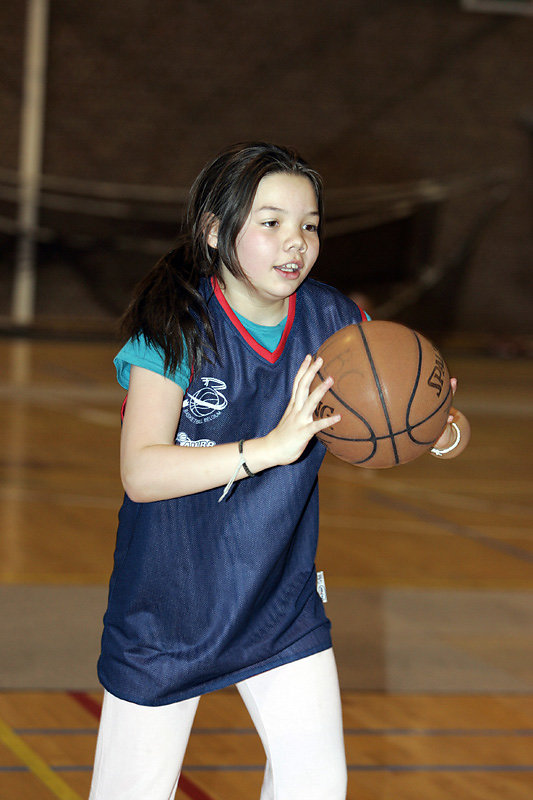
x,y
123,409
191,378
262,351
364,316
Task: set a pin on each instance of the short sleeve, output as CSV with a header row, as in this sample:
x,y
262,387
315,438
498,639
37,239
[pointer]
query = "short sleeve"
x,y
138,353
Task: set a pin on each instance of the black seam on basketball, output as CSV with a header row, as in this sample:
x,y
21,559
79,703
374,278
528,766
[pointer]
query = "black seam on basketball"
x,y
426,419
346,405
372,437
380,392
415,384
408,427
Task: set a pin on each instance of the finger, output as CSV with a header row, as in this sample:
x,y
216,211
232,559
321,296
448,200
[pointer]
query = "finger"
x,y
302,390
453,385
318,393
452,415
320,424
301,372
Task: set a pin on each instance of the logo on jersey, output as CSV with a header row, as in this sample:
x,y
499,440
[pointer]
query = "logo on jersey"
x,y
183,440
206,403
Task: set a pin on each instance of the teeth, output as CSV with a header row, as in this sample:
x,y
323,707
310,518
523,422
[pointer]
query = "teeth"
x,y
289,267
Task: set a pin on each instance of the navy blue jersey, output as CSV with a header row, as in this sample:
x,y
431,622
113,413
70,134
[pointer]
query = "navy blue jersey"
x,y
204,594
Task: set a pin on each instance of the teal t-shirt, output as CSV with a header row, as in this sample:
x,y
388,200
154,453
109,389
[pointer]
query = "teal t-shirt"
x,y
137,352
268,336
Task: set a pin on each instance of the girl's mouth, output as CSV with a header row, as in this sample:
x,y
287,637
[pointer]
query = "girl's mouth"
x,y
290,270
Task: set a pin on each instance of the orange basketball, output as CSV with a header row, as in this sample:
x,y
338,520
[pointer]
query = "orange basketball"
x,y
392,389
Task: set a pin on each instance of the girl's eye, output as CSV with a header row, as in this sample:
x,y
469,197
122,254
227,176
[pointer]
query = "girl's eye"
x,y
311,227
270,223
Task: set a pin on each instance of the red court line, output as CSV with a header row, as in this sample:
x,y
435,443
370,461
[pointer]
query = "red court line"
x,y
94,708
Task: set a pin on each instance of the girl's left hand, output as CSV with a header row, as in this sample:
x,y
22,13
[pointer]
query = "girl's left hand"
x,y
450,435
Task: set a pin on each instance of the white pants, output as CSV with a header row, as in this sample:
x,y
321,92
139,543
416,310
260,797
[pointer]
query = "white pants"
x,y
295,708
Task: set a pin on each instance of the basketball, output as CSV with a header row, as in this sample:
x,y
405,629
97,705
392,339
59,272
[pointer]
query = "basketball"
x,y
392,389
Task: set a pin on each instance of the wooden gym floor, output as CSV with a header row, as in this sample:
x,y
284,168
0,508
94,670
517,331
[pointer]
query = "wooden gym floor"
x,y
428,569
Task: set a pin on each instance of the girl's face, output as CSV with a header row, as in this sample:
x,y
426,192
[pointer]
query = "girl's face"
x,y
278,243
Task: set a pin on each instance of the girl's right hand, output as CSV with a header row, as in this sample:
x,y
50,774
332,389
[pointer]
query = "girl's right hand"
x,y
297,426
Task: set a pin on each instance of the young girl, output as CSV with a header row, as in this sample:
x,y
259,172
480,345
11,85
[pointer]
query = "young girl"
x,y
214,581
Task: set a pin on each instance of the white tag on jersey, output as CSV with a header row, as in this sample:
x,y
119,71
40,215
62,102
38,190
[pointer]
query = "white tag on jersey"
x,y
321,587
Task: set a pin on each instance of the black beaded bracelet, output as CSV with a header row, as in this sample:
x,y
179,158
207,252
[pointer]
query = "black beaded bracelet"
x,y
245,466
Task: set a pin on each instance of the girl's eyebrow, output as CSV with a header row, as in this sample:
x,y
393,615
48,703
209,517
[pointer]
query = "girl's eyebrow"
x,y
284,211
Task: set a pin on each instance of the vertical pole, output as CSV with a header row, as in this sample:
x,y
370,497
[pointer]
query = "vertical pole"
x,y
30,159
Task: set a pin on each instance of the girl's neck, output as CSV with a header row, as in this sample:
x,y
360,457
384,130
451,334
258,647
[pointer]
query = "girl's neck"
x,y
242,299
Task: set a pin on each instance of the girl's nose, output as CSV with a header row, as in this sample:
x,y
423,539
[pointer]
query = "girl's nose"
x,y
296,242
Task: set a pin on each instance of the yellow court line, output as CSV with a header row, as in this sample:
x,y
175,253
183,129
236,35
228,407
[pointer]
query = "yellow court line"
x,y
36,764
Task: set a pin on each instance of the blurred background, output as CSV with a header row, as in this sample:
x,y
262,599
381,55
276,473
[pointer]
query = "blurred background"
x,y
419,113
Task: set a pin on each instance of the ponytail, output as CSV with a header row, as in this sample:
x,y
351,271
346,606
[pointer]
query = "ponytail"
x,y
167,307
169,311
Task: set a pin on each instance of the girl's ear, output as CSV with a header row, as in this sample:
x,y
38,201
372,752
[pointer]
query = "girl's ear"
x,y
211,230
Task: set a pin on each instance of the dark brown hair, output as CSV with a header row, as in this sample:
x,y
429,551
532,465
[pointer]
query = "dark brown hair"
x,y
167,307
